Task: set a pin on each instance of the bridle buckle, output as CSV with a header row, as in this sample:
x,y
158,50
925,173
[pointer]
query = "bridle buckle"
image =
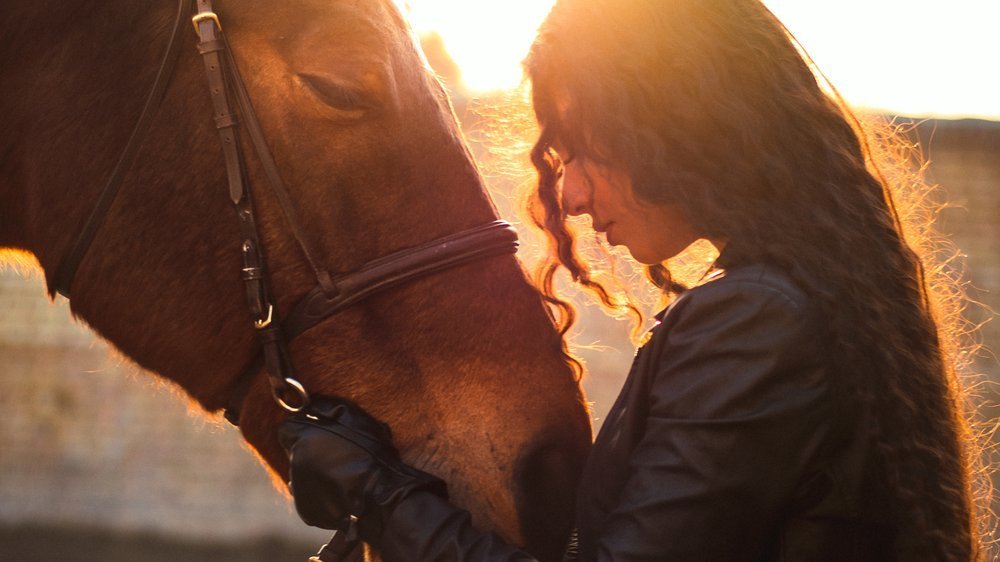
x,y
202,16
261,324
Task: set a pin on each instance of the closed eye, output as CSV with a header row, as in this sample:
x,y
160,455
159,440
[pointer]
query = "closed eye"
x,y
339,94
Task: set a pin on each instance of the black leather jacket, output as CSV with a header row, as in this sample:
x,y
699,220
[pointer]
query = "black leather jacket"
x,y
733,439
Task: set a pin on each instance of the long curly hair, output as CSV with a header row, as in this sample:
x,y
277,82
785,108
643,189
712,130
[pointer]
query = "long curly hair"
x,y
711,106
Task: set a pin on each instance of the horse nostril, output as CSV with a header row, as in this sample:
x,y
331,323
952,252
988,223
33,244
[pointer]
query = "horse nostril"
x,y
546,478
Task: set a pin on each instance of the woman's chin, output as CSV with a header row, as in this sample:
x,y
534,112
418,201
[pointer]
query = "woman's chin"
x,y
642,257
644,260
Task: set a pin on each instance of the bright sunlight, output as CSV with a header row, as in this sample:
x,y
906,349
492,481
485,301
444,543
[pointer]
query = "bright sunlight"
x,y
487,40
912,57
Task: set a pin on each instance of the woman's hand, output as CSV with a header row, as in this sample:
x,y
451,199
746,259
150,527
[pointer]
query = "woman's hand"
x,y
343,464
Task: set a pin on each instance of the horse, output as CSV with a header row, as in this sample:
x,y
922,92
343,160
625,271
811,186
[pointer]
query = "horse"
x,y
464,364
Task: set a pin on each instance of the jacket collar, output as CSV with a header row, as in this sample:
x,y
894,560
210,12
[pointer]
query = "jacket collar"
x,y
725,260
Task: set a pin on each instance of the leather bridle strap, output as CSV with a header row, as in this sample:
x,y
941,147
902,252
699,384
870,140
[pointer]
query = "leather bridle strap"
x,y
66,270
491,239
213,49
271,171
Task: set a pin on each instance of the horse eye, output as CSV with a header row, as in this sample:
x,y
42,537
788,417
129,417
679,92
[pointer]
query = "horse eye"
x,y
338,94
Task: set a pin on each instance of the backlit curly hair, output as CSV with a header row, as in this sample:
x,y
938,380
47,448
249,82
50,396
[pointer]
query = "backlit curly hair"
x,y
710,106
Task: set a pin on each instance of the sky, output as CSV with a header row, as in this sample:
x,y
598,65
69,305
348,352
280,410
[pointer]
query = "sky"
x,y
934,58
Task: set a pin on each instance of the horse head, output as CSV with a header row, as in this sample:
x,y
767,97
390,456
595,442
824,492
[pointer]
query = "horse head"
x,y
464,365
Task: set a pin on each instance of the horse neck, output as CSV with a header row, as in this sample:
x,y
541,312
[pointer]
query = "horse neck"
x,y
77,76
81,73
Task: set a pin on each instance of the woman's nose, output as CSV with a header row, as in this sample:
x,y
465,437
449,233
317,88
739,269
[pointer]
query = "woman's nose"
x,y
575,193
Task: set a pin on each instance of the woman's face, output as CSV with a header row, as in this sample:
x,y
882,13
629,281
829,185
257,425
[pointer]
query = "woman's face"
x,y
652,233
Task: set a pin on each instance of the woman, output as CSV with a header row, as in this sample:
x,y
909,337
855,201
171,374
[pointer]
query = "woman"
x,y
797,404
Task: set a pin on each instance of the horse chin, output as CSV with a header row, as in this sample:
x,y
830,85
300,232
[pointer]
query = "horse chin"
x,y
523,489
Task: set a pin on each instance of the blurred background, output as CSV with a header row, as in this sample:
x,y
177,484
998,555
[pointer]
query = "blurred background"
x,y
99,461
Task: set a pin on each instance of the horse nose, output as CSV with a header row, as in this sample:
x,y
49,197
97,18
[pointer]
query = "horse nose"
x,y
545,481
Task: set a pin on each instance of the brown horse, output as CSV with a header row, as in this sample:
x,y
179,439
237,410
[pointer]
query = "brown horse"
x,y
464,365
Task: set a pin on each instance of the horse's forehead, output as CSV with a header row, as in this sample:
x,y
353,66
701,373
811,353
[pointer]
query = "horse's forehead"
x,y
402,5
399,11
403,9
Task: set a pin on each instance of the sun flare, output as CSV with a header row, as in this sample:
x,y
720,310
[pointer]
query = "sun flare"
x,y
487,40
915,58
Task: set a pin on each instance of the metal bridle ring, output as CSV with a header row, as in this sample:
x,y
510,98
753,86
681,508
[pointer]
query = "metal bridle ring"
x,y
298,388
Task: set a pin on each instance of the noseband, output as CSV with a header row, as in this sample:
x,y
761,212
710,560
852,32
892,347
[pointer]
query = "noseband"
x,y
331,294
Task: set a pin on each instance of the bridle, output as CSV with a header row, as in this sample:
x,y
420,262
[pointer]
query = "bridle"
x,y
331,294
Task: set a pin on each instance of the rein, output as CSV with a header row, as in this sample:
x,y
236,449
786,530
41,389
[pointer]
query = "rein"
x,y
66,270
331,294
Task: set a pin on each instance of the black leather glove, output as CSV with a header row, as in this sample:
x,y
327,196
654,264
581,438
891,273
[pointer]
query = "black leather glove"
x,y
343,464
